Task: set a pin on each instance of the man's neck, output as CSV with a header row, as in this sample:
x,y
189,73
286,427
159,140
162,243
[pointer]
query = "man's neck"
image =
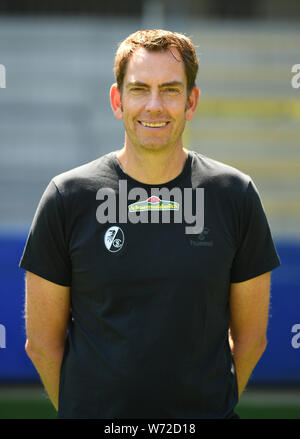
x,y
152,167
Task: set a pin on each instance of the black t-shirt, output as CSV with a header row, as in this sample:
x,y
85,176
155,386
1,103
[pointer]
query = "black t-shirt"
x,y
148,333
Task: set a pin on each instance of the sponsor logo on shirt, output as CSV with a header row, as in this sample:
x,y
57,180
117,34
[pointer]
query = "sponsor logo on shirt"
x,y
114,239
153,203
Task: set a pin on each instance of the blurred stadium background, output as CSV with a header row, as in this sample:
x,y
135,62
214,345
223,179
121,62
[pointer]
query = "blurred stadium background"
x,y
55,115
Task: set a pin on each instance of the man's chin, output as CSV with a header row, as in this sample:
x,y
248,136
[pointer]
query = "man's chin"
x,y
154,146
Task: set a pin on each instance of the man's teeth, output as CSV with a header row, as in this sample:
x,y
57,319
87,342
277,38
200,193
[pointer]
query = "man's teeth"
x,y
153,125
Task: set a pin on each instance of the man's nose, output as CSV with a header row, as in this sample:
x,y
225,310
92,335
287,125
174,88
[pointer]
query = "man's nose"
x,y
154,102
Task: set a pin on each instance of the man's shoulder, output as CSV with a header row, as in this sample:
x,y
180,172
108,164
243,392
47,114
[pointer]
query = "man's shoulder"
x,y
88,175
219,174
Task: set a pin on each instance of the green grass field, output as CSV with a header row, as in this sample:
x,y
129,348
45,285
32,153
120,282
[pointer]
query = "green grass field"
x,y
32,403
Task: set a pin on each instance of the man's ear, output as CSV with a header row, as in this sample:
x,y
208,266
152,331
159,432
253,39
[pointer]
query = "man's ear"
x,y
115,100
192,103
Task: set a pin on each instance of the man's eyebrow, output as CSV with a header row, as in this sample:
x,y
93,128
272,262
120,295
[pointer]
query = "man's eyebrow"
x,y
136,83
172,84
165,84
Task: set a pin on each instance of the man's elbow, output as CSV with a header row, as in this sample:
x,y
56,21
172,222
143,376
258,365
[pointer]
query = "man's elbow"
x,y
256,348
33,353
256,345
34,350
39,351
263,345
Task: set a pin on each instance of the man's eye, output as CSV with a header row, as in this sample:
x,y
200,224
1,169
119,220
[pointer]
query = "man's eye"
x,y
171,91
138,89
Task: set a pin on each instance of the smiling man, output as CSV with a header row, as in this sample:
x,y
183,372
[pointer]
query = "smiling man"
x,y
154,100
136,317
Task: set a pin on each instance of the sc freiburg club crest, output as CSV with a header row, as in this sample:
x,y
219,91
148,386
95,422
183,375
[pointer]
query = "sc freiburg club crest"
x,y
114,239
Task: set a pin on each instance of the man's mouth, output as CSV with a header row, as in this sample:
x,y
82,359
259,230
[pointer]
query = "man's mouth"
x,y
152,124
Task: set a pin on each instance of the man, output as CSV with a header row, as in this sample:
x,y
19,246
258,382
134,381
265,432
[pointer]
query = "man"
x,y
141,316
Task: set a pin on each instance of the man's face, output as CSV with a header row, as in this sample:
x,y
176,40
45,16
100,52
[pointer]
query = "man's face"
x,y
154,101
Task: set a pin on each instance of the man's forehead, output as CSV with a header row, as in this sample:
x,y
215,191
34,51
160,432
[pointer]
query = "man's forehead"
x,y
141,54
164,65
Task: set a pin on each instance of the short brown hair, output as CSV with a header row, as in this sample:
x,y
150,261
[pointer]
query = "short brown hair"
x,y
157,40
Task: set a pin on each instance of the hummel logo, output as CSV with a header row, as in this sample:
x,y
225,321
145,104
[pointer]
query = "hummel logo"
x,y
200,239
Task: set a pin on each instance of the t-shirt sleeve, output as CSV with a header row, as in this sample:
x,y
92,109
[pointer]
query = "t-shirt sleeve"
x,y
256,253
46,250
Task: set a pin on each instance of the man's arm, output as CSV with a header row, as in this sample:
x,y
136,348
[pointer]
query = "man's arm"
x,y
249,307
47,309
